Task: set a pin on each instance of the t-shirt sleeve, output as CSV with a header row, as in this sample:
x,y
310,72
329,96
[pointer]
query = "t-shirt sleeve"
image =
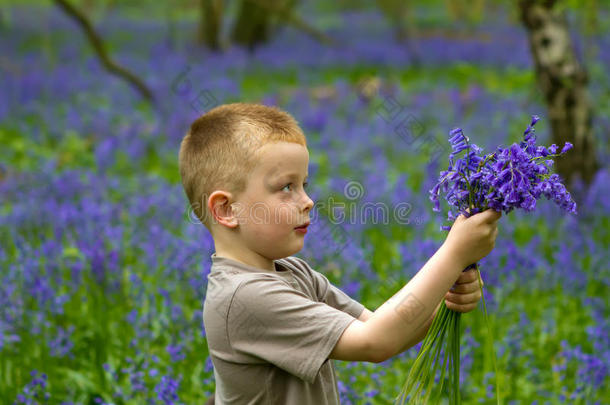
x,y
330,294
334,297
270,320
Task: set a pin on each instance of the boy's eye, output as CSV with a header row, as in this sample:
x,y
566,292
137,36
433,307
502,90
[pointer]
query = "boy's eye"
x,y
290,184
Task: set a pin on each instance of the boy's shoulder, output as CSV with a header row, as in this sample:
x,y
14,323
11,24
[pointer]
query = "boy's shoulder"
x,y
234,287
228,277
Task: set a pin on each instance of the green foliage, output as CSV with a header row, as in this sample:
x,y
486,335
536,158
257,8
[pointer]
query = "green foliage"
x,y
103,333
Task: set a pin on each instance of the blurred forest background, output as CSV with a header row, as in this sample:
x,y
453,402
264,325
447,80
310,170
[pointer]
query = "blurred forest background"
x,y
104,267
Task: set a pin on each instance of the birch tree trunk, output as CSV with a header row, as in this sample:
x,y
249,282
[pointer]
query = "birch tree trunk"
x,y
563,80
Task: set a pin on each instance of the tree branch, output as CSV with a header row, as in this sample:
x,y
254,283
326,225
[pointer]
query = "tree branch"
x,y
100,50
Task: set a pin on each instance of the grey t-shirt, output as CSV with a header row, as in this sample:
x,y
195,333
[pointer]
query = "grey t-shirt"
x,y
270,334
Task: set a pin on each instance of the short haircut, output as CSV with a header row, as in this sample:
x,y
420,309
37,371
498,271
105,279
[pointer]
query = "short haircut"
x,y
221,149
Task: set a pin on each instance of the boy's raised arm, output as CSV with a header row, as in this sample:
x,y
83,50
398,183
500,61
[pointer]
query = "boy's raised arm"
x,y
421,331
399,321
365,315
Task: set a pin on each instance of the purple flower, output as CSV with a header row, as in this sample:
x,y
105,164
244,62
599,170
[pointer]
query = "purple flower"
x,y
567,147
35,392
175,352
509,178
167,389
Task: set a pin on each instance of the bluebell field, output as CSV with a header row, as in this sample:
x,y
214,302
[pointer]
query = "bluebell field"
x,y
104,267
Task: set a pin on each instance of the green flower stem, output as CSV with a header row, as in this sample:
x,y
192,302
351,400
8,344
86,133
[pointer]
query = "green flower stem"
x,y
492,350
549,156
421,361
443,370
420,365
456,356
444,331
430,376
420,375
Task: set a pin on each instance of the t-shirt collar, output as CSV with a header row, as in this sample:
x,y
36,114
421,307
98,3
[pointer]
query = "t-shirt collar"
x,y
222,261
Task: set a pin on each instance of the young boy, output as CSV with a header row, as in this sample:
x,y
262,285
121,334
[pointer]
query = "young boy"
x,y
271,321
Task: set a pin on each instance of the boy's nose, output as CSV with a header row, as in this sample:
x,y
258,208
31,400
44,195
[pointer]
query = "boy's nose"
x,y
308,203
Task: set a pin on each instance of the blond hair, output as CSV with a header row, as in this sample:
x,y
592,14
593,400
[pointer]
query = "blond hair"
x,y
221,149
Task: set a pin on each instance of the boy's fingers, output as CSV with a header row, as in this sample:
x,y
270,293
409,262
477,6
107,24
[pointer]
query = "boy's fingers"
x,y
460,218
461,308
467,277
490,215
464,288
463,299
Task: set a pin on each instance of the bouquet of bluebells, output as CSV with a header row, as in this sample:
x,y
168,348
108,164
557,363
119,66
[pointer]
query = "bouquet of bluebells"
x,y
509,178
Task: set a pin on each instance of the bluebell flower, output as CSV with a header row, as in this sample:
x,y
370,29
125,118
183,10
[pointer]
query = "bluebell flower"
x,y
35,391
566,147
167,390
510,178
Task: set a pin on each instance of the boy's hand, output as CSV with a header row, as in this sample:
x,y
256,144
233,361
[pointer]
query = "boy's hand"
x,y
471,239
465,293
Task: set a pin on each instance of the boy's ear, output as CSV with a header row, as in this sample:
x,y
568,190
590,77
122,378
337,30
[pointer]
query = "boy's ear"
x,y
220,206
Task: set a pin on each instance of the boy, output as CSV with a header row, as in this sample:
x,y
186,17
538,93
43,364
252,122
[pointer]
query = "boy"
x,y
271,321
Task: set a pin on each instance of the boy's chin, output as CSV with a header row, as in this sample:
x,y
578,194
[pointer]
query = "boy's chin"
x,y
294,251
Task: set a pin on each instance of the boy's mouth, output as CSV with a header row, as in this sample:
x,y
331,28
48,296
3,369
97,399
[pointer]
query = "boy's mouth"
x,y
305,225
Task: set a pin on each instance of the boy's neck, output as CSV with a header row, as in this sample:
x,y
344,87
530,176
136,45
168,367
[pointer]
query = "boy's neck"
x,y
249,258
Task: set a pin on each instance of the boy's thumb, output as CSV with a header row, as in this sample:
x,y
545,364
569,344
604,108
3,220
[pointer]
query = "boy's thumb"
x,y
460,218
492,215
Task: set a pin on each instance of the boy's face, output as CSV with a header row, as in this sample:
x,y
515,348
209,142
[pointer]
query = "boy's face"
x,y
273,204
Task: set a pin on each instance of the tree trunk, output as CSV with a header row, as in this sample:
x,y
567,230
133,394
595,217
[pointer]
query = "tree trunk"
x,y
210,23
252,25
259,20
397,13
563,81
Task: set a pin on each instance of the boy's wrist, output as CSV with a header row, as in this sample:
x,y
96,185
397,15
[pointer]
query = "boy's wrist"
x,y
453,255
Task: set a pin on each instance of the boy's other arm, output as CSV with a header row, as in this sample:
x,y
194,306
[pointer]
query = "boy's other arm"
x,y
400,321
